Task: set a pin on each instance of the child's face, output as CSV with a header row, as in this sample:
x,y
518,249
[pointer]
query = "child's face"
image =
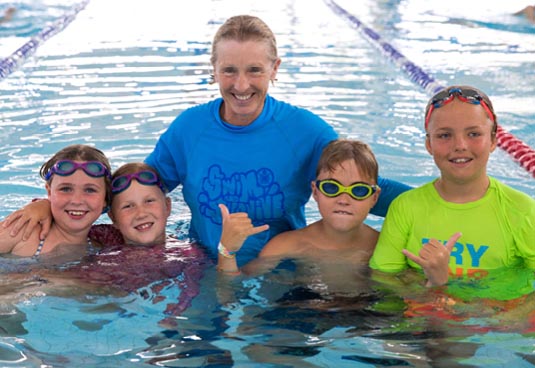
x,y
76,200
343,213
460,141
140,212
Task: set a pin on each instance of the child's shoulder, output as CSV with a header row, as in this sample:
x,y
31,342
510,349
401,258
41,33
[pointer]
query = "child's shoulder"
x,y
415,195
513,198
16,245
287,243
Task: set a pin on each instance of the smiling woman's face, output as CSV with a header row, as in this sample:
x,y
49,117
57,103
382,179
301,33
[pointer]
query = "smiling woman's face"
x,y
243,71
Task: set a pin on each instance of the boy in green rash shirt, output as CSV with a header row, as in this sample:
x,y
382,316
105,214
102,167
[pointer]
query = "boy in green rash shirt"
x,y
497,222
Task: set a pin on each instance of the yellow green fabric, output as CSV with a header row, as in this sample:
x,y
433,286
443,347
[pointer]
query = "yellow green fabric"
x,y
498,230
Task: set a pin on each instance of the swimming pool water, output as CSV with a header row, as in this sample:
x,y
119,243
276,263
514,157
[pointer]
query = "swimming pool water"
x,y
118,75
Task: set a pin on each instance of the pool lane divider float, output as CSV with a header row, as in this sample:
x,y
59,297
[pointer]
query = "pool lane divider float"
x,y
518,150
12,62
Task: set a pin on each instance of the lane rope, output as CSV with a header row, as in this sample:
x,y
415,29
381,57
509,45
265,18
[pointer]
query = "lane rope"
x,y
519,151
11,63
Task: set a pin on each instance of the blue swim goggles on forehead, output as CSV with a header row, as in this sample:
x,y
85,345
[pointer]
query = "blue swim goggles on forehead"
x,y
359,190
94,169
467,95
144,177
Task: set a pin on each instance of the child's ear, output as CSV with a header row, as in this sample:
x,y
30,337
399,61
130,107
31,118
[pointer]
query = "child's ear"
x,y
376,196
314,190
428,145
494,143
48,190
168,204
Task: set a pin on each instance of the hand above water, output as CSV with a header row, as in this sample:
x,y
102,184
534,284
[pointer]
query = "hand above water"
x,y
236,228
434,258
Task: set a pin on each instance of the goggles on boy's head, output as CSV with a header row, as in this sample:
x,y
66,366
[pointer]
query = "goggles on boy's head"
x,y
359,190
144,177
68,167
467,95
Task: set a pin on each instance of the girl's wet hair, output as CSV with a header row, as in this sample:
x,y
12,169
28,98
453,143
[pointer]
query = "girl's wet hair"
x,y
340,150
245,28
79,152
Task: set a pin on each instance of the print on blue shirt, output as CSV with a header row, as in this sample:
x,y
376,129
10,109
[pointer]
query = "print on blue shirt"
x,y
254,192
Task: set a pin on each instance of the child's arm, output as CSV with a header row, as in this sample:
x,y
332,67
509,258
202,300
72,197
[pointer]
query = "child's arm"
x,y
434,258
236,228
36,213
271,255
7,240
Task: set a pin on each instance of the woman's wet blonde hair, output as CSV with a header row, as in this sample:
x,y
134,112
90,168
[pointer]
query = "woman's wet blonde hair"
x,y
243,28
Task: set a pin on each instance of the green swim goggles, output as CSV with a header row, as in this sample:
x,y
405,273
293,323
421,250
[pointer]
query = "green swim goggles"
x,y
359,190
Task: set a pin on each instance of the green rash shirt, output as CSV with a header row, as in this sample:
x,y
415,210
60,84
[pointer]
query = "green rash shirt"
x,y
498,230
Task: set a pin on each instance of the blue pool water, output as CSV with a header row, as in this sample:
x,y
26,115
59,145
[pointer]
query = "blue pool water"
x,y
117,76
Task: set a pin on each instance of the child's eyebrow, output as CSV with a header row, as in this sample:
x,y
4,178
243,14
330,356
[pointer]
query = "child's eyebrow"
x,y
445,129
476,126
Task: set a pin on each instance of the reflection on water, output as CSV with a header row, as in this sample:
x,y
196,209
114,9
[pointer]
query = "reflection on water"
x,y
290,316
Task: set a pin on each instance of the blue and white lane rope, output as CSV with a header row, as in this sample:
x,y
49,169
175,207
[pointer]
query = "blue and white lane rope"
x,y
12,62
520,151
